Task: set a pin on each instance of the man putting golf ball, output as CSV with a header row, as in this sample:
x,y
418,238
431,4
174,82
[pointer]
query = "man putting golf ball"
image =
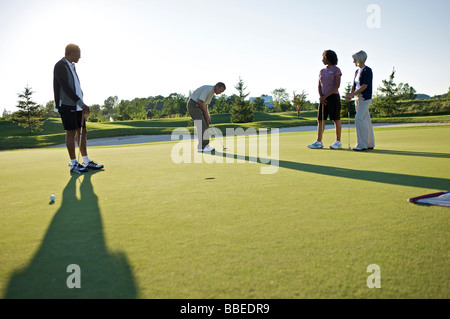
x,y
197,106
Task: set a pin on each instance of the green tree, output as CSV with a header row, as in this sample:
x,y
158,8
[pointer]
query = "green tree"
x,y
109,105
221,105
406,92
174,104
258,104
345,106
241,111
122,111
96,113
6,114
30,114
386,103
49,109
137,109
159,104
281,100
298,101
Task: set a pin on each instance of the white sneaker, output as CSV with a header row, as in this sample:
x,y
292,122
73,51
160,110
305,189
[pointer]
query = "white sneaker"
x,y
92,165
336,145
207,149
77,168
315,145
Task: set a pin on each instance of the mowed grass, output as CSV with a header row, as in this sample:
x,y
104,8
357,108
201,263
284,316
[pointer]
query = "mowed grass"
x,y
146,227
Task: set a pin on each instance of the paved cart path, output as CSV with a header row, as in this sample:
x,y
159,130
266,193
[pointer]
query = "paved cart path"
x,y
139,139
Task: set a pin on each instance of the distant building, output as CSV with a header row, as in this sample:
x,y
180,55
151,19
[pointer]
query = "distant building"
x,y
268,100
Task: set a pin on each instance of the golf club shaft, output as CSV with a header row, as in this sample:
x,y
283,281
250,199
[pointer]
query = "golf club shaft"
x,y
323,122
210,123
348,110
79,136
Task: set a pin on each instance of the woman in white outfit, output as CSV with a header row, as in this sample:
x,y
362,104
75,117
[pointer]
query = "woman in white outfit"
x,y
362,90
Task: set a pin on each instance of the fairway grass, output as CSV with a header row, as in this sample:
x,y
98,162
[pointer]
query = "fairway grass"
x,y
146,227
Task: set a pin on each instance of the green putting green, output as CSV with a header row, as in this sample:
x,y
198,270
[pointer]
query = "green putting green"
x,y
146,227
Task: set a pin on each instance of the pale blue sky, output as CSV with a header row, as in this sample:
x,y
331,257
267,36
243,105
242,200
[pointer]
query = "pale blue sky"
x,y
141,48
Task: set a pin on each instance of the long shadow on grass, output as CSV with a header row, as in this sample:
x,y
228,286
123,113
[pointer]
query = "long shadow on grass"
x,y
368,176
75,236
411,153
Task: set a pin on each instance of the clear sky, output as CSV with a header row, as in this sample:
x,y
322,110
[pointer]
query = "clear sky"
x,y
142,48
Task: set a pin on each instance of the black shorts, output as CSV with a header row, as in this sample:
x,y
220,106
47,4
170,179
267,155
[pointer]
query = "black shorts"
x,y
332,108
71,118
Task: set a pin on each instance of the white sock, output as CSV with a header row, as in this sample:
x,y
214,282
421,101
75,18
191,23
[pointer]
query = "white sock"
x,y
85,159
74,161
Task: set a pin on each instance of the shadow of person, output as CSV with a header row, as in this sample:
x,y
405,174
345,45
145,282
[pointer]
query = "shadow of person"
x,y
411,153
75,237
356,174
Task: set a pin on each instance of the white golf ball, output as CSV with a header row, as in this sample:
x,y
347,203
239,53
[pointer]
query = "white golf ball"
x,y
52,197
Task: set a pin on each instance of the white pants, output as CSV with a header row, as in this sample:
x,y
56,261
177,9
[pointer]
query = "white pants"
x,y
364,129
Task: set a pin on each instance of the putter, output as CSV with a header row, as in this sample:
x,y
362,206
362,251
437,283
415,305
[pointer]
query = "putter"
x,y
323,122
348,110
223,148
79,136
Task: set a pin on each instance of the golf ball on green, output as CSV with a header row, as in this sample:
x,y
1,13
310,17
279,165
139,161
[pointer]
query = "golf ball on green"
x,y
52,197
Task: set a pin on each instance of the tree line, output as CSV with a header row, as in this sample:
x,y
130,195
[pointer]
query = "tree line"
x,y
175,105
156,107
386,102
